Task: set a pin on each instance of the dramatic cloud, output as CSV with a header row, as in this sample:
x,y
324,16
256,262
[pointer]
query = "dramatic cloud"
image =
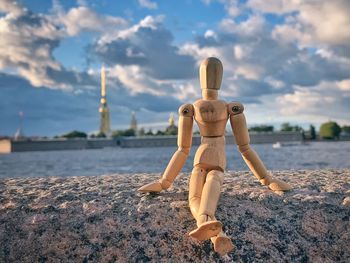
x,y
286,60
8,6
250,57
144,59
310,22
149,45
27,42
323,102
261,66
136,81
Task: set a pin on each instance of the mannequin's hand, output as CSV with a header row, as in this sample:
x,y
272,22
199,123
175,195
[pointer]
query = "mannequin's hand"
x,y
275,184
279,185
151,188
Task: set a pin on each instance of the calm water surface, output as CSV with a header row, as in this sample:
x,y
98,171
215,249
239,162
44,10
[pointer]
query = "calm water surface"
x,y
314,155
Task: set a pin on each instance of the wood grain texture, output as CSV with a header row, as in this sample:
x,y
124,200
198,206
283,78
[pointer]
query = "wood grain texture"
x,y
210,73
211,116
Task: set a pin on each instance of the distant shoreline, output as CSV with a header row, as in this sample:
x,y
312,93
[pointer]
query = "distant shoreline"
x,y
8,146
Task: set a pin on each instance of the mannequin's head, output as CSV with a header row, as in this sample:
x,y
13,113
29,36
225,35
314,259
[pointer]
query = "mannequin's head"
x,y
210,75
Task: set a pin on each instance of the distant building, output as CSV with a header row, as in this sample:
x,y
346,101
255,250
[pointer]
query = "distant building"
x,y
171,120
105,127
172,129
133,123
19,133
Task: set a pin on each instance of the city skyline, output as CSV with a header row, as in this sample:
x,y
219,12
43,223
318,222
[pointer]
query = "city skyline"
x,y
286,61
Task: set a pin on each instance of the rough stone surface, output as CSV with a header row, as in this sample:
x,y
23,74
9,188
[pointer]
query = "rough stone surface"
x,y
104,219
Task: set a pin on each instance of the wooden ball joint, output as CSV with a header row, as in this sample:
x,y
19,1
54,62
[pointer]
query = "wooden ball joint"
x,y
211,116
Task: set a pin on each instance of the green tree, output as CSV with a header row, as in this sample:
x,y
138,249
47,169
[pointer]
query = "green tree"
x,y
101,135
118,133
297,128
149,133
74,134
346,129
129,132
286,127
261,128
160,133
289,128
142,132
171,130
330,130
312,132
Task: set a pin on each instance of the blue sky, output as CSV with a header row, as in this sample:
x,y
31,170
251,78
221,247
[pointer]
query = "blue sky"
x,y
284,60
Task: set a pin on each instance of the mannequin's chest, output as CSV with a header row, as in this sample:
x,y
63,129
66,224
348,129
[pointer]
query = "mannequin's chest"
x,y
210,111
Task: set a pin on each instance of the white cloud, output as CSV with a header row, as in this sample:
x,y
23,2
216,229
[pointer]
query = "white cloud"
x,y
241,51
187,91
207,2
288,35
83,18
27,42
148,45
321,102
232,7
314,22
193,49
289,71
327,21
136,80
209,34
148,4
274,6
277,84
298,69
344,84
252,26
249,71
147,22
8,6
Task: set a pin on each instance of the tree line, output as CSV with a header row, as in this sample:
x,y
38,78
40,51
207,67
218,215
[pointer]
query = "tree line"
x,y
328,130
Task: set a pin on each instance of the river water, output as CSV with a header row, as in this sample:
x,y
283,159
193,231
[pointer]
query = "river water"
x,y
315,155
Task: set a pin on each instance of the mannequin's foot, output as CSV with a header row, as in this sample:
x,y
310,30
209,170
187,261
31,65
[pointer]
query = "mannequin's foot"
x,y
222,244
206,230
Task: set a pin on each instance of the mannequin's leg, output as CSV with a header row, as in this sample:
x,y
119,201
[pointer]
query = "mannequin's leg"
x,y
208,226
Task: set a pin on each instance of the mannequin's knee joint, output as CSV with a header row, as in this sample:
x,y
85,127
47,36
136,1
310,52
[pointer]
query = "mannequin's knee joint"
x,y
216,176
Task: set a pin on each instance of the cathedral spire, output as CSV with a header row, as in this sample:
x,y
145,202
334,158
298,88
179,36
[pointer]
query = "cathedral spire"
x,y
133,122
104,111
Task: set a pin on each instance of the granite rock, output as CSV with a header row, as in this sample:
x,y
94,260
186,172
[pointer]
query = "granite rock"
x,y
104,219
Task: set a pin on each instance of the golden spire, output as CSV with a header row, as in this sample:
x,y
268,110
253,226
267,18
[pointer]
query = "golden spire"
x,y
133,122
103,82
104,111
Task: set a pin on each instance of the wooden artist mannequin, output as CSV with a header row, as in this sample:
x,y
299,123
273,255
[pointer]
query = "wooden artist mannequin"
x,y
207,176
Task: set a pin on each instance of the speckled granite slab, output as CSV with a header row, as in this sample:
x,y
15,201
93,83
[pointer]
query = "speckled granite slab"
x,y
104,219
